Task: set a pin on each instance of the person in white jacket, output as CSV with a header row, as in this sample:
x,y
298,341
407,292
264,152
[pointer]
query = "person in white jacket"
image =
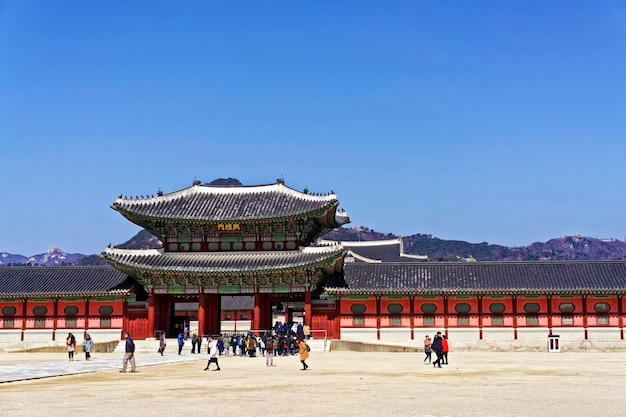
x,y
87,346
213,354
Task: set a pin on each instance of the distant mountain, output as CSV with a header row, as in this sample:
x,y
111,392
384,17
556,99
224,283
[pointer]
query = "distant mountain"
x,y
54,257
226,182
561,248
142,240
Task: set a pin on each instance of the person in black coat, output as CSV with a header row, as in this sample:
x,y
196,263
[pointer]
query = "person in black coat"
x,y
436,346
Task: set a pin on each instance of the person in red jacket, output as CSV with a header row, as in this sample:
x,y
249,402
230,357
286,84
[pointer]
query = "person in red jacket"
x,y
444,350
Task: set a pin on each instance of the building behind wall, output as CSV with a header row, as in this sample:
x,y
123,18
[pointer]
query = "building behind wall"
x,y
236,258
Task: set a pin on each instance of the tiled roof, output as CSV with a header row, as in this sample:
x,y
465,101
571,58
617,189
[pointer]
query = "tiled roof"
x,y
509,277
62,280
214,203
220,262
377,250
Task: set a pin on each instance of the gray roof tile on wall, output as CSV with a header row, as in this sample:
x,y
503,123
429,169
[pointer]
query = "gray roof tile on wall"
x,y
482,277
384,251
41,280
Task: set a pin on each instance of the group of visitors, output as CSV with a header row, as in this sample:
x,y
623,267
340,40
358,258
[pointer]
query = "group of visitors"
x,y
303,331
284,340
70,346
440,346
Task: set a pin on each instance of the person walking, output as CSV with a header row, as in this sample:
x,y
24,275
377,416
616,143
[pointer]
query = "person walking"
x,y
198,343
428,350
213,354
436,346
251,345
444,349
233,344
70,346
87,346
129,354
269,351
304,353
162,343
181,342
194,341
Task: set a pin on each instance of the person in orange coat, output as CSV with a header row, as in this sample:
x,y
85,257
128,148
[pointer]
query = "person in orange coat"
x,y
444,350
304,353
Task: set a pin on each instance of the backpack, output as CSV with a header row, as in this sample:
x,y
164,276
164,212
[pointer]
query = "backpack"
x,y
308,348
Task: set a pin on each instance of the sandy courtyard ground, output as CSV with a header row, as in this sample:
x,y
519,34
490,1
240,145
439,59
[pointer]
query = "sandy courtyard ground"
x,y
337,384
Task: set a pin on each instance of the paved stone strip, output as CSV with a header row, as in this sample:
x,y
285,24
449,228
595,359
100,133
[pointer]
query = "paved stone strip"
x,y
37,370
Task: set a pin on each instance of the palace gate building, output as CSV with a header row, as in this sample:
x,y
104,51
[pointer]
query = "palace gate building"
x,y
247,252
220,240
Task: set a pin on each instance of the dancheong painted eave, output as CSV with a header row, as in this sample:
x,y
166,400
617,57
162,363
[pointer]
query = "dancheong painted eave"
x,y
208,203
436,278
222,262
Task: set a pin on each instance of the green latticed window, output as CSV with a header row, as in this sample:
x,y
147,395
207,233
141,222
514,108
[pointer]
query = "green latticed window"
x,y
70,310
395,308
428,308
462,308
358,308
531,307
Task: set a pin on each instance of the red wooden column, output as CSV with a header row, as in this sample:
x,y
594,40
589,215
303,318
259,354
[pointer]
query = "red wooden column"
x,y
55,310
24,317
412,314
266,313
549,314
258,311
585,317
620,311
212,314
202,300
86,315
378,317
515,318
480,317
151,315
308,310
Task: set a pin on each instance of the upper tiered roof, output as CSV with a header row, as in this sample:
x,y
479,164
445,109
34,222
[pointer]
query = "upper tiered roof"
x,y
211,203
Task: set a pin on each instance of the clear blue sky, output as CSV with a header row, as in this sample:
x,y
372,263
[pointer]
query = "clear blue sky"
x,y
500,121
